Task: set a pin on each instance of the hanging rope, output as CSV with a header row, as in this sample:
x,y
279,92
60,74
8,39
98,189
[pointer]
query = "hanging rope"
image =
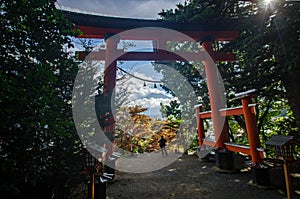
x,y
139,78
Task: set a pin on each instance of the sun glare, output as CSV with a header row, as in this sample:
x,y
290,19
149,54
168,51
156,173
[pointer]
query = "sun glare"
x,y
267,1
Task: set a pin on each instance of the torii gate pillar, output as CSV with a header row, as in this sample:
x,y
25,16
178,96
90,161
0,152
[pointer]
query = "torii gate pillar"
x,y
110,70
215,95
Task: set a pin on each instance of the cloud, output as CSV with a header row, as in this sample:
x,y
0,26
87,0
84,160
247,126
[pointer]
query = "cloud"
x,y
148,96
145,96
147,9
151,8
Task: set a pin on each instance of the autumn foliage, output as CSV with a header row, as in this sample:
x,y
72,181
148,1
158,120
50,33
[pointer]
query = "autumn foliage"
x,y
138,132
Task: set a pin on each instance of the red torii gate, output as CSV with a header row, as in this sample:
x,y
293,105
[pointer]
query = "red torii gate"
x,y
94,26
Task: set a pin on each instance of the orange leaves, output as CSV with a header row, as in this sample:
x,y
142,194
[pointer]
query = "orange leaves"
x,y
139,132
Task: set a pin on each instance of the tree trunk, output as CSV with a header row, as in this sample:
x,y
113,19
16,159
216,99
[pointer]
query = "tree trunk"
x,y
291,83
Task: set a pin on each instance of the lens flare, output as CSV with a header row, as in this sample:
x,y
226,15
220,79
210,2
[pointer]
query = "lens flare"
x,y
267,2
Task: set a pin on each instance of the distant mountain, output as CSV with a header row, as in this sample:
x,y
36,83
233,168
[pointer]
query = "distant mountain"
x,y
157,96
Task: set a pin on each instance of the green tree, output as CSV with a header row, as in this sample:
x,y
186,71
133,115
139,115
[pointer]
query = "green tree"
x,y
283,37
171,110
38,138
266,61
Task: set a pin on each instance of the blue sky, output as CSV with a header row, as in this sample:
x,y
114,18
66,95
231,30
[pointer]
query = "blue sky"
x,y
146,9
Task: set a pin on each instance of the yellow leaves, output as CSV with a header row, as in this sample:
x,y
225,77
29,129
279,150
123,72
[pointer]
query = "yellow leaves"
x,y
139,132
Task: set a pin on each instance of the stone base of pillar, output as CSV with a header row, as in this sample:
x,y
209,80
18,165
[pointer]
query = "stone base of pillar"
x,y
260,176
224,160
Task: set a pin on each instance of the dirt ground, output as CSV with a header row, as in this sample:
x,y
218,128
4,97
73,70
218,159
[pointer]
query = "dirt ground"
x,y
189,178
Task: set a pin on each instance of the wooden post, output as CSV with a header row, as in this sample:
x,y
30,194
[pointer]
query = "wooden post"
x,y
110,63
215,95
251,127
200,125
92,179
289,190
110,84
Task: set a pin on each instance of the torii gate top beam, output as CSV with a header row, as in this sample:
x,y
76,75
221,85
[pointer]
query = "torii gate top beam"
x,y
94,26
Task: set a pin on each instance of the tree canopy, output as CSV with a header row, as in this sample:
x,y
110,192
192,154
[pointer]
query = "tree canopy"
x,y
38,139
266,56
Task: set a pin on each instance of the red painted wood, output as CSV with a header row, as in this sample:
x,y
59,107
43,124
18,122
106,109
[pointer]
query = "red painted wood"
x,y
146,34
200,125
242,149
155,56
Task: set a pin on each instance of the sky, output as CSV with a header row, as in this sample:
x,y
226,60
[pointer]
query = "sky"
x,y
146,96
146,9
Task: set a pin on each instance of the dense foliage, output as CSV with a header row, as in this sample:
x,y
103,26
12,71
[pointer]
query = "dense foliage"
x,y
138,133
38,139
267,61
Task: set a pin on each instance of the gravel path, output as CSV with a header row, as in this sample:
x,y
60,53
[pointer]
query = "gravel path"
x,y
188,178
